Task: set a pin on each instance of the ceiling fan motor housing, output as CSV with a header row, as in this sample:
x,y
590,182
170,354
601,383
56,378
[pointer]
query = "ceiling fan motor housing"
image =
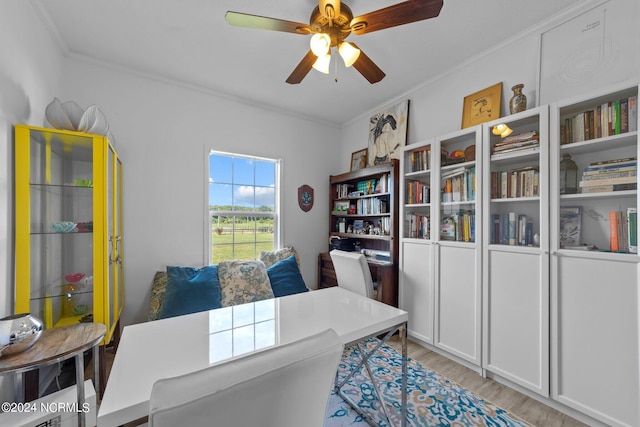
x,y
337,28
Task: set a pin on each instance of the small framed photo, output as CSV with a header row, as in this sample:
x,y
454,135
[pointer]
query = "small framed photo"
x,y
342,206
482,106
570,225
359,159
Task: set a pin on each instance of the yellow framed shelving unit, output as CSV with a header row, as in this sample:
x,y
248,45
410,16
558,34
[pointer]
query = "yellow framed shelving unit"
x,y
68,203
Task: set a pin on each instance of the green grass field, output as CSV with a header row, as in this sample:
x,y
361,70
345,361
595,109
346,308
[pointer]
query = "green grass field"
x,y
245,245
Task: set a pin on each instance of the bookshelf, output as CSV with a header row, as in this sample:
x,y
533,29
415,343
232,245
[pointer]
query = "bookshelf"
x,y
363,217
515,257
441,214
594,284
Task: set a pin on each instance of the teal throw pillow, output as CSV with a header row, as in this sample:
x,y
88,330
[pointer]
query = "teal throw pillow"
x,y
190,290
285,278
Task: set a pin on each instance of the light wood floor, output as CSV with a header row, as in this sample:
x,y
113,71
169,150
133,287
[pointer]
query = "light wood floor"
x,y
523,407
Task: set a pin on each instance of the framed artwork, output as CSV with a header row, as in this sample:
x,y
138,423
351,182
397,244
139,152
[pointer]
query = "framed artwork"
x,y
359,159
388,134
482,106
570,225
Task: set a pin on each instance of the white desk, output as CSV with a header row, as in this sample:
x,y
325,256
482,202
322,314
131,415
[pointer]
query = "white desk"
x,y
176,346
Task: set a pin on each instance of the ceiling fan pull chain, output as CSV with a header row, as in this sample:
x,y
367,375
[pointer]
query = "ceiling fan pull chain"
x,y
335,64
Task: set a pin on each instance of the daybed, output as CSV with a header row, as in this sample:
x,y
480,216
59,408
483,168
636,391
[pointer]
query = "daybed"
x,y
184,290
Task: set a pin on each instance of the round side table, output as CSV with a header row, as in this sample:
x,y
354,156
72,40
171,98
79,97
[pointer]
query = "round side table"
x,y
54,346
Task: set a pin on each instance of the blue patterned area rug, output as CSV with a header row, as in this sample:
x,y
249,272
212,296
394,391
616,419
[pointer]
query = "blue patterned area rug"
x,y
432,400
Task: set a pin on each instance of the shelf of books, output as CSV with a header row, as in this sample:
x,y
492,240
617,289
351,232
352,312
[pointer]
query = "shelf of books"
x,y
416,191
517,148
458,181
596,206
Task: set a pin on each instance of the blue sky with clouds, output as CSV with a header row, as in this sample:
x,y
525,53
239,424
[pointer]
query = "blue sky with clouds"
x,y
247,182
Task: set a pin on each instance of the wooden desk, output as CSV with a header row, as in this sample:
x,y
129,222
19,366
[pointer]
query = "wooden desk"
x,y
56,345
384,273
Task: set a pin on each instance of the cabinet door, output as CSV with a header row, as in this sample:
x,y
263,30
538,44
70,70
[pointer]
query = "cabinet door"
x,y
457,298
517,318
596,338
416,289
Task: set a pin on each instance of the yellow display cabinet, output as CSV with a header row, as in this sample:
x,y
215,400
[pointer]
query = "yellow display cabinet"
x,y
68,216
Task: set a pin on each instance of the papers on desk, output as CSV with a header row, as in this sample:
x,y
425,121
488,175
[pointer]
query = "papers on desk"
x,y
373,255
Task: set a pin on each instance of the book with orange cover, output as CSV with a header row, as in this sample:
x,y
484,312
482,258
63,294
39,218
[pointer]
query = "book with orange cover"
x,y
613,231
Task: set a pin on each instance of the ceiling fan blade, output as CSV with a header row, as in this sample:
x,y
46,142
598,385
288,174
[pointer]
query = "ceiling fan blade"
x,y
302,69
264,23
367,67
398,14
329,8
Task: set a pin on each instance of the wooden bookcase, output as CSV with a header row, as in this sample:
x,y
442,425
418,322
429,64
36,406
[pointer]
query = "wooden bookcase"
x,y
363,215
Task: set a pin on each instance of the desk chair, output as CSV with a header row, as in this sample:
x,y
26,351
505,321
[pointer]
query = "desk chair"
x,y
352,272
286,386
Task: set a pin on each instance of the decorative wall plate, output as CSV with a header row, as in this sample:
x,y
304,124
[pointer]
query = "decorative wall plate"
x,y
305,197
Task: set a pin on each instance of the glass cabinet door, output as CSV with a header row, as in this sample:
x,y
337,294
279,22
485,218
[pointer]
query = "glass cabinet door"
x,y
54,226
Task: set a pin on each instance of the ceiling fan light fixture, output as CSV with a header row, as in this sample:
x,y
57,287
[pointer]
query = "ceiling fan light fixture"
x,y
322,63
348,53
320,44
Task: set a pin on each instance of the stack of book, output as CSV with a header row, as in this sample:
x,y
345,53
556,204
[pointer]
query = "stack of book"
x,y
527,142
521,182
610,175
459,185
512,229
418,226
417,192
623,230
607,119
420,160
458,226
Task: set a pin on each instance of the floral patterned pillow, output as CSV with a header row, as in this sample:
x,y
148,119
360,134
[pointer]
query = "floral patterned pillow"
x,y
158,289
270,258
243,281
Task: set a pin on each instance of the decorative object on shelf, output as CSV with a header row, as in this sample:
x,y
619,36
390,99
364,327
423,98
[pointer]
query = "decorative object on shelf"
x,y
388,134
70,116
470,153
518,101
63,226
502,130
359,159
79,182
568,175
69,299
570,225
305,197
74,277
18,333
482,106
85,227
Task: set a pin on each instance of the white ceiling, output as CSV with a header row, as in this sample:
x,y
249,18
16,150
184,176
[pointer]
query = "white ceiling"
x,y
189,41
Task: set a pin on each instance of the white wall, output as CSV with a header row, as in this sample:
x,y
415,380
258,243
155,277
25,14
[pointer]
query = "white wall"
x,y
161,131
30,71
436,107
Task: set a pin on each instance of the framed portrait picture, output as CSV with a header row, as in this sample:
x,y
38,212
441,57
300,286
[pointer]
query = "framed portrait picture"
x,y
388,134
359,159
570,225
482,106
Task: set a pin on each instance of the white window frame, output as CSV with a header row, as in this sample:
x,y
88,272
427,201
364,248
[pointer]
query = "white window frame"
x,y
277,214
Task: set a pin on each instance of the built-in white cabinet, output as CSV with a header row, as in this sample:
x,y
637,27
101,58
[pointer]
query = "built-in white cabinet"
x,y
516,249
441,248
594,287
544,292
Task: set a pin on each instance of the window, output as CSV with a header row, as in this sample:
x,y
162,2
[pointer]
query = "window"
x,y
243,206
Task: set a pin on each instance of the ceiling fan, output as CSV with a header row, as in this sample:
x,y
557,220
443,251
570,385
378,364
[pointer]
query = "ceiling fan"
x,y
331,23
